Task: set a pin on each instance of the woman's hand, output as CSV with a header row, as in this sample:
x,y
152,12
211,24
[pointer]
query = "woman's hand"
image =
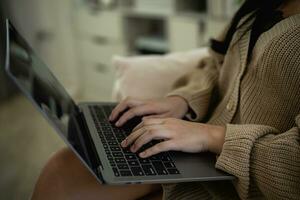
x,y
175,107
177,135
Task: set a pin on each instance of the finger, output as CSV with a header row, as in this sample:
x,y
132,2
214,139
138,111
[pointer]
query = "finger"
x,y
134,112
158,148
148,122
139,126
132,137
155,116
156,133
127,103
123,105
118,109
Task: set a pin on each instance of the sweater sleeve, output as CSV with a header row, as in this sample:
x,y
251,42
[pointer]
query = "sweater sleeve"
x,y
197,87
264,160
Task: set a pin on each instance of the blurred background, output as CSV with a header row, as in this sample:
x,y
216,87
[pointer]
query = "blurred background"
x,y
77,39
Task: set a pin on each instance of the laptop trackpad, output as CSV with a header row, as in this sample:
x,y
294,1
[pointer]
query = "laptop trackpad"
x,y
196,165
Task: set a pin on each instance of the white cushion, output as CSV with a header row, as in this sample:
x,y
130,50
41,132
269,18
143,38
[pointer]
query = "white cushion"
x,y
150,77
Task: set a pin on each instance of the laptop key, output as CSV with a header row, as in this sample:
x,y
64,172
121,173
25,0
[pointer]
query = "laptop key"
x,y
120,139
123,166
104,124
106,129
117,154
100,115
137,171
165,158
107,109
125,173
120,136
169,165
111,158
113,143
120,160
173,171
154,158
117,130
127,151
110,137
130,156
116,171
102,139
107,133
144,160
159,168
133,163
112,163
148,169
114,148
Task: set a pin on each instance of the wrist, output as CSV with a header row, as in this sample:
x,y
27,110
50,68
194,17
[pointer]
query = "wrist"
x,y
216,138
182,102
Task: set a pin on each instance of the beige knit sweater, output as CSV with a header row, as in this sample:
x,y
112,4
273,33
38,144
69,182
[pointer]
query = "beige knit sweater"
x,y
259,103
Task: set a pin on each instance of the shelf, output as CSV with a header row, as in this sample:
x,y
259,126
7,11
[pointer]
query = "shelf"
x,y
138,31
152,44
196,17
191,6
155,6
132,12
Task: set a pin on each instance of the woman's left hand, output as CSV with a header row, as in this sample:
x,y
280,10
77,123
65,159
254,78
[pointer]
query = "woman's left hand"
x,y
177,135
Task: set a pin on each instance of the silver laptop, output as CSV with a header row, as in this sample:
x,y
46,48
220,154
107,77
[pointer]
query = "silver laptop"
x,y
85,128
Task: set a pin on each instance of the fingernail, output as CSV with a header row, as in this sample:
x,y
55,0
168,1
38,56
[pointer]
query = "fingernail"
x,y
124,143
143,154
118,123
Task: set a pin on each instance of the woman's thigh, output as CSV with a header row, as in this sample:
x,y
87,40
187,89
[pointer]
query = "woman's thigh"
x,y
65,177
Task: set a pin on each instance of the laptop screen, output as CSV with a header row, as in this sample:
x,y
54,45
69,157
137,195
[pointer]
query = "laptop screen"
x,y
37,82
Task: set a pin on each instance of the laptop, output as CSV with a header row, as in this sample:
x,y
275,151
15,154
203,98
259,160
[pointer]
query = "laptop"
x,y
85,128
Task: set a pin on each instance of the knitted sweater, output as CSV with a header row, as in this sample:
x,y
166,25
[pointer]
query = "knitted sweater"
x,y
259,103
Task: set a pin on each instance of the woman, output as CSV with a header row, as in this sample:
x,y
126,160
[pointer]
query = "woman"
x,y
247,96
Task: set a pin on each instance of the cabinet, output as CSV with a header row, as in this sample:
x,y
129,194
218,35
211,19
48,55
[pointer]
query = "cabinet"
x,y
106,24
179,26
47,27
77,38
104,28
99,36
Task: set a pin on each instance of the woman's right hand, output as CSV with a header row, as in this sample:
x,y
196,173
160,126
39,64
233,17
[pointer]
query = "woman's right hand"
x,y
169,107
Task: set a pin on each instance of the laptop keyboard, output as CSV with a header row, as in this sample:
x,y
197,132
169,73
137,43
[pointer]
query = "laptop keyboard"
x,y
123,162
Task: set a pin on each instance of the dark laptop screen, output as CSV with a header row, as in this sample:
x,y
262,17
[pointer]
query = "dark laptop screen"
x,y
38,83
36,80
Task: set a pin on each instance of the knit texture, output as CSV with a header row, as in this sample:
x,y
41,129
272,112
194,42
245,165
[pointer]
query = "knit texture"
x,y
259,103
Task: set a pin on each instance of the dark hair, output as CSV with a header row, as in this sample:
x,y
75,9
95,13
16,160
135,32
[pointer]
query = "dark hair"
x,y
257,8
